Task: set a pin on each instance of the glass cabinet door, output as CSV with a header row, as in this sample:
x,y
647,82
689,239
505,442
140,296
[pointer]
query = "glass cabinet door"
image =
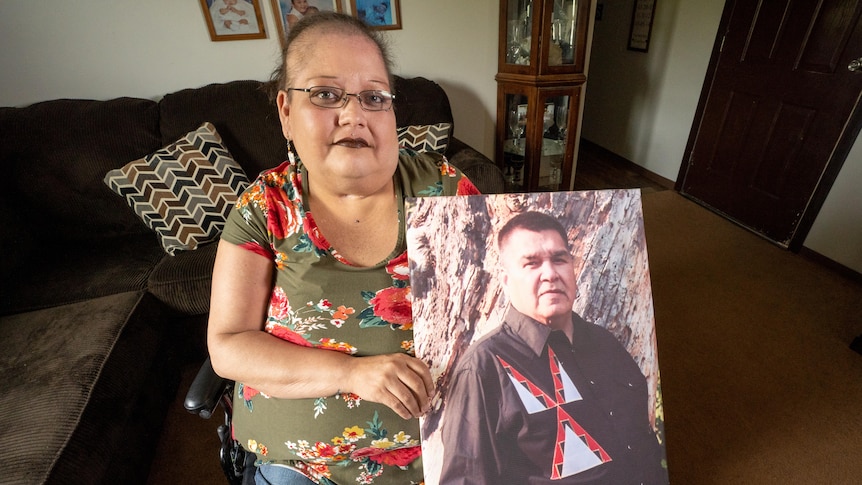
x,y
563,33
519,30
540,37
535,147
555,125
515,142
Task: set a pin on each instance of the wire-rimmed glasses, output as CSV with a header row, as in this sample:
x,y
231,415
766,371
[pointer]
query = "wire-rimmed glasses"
x,y
331,97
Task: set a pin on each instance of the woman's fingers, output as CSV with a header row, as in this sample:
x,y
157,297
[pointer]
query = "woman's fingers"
x,y
398,381
422,370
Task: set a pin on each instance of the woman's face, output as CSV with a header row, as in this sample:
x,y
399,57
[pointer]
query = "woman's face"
x,y
345,144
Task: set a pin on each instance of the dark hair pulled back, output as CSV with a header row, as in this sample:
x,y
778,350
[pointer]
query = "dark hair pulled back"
x,y
307,31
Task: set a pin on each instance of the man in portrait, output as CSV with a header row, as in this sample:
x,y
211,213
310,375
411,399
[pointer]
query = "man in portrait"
x,y
547,397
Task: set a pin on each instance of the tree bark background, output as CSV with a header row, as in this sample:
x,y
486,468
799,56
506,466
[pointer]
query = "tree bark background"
x,y
457,296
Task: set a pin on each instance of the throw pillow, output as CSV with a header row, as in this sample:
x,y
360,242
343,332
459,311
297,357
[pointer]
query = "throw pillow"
x,y
184,191
425,138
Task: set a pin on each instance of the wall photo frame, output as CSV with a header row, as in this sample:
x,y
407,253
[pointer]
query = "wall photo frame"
x,y
287,12
640,31
233,19
379,14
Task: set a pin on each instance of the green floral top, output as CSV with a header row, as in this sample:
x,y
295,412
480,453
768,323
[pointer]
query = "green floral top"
x,y
320,300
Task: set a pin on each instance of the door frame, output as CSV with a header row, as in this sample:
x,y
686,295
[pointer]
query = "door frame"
x,y
833,165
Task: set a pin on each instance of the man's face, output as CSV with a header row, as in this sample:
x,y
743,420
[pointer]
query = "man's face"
x,y
539,275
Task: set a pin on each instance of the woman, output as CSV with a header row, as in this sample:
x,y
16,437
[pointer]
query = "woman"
x,y
314,256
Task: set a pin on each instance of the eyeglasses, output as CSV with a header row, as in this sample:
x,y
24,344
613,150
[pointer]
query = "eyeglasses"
x,y
329,97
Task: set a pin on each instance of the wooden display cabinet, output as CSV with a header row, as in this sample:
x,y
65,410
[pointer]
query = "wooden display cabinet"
x,y
539,83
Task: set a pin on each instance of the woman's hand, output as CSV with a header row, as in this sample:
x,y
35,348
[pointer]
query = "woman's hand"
x,y
398,381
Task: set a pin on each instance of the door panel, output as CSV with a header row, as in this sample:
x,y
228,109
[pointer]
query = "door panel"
x,y
777,105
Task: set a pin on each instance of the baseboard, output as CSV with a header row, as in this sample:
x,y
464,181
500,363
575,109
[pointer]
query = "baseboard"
x,y
833,265
630,165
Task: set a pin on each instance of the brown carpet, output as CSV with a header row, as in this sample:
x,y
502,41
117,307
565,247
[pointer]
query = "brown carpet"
x,y
759,383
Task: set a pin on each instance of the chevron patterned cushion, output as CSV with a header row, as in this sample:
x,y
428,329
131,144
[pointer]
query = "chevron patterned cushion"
x,y
425,138
184,191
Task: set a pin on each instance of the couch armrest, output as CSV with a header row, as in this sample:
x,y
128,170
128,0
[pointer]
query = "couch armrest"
x,y
485,174
206,391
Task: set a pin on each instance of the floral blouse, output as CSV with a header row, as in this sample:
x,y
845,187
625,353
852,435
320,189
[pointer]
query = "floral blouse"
x,y
319,299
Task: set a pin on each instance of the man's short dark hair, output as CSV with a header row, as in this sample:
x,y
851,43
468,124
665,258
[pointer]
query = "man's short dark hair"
x,y
534,222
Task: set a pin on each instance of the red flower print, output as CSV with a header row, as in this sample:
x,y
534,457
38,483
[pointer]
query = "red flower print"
x,y
398,267
280,219
324,450
289,335
466,187
393,305
246,393
257,249
447,170
313,233
399,457
279,306
318,470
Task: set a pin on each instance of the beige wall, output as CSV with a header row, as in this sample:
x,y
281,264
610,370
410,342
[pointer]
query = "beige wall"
x,y
454,42
639,105
837,232
102,49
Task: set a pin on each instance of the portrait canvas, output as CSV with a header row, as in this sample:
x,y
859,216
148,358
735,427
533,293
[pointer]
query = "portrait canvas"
x,y
233,19
458,299
289,11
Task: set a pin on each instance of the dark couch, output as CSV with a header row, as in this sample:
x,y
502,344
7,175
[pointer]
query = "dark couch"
x,y
96,320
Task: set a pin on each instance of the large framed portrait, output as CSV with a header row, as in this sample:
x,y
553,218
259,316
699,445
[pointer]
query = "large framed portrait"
x,y
515,403
233,19
379,14
288,12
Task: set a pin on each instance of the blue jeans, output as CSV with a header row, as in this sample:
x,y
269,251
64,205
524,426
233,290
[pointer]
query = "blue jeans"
x,y
279,475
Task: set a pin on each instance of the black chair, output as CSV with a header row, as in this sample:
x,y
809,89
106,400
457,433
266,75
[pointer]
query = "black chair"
x,y
207,391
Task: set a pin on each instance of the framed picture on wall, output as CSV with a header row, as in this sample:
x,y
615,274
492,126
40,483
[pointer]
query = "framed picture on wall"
x,y
288,12
379,14
641,26
233,19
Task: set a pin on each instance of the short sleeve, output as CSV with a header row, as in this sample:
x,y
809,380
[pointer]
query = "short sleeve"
x,y
246,224
429,174
269,209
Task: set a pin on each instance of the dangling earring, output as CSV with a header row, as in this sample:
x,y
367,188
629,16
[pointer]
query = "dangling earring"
x,y
290,155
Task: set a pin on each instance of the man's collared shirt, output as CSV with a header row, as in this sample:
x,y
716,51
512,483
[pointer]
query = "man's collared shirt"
x,y
526,406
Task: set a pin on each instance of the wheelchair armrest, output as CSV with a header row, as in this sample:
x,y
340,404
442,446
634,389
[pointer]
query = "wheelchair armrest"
x,y
206,391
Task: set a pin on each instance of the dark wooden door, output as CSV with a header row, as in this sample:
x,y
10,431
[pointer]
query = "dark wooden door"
x,y
779,112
